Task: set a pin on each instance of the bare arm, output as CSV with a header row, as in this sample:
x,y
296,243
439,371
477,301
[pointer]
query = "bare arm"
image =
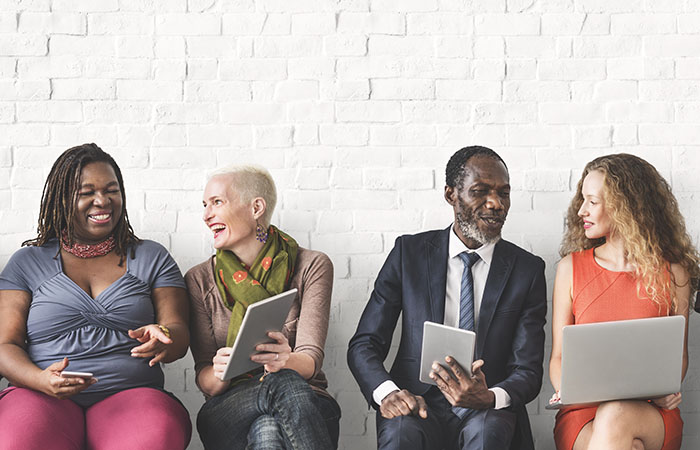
x,y
681,290
562,315
172,311
15,364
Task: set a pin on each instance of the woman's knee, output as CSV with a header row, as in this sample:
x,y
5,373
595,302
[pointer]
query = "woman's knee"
x,y
287,387
637,444
615,412
285,379
30,419
138,418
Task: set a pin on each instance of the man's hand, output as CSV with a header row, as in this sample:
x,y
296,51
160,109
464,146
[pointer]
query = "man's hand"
x,y
403,403
459,388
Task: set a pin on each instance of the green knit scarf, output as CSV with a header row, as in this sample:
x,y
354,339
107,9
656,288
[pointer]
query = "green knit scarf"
x,y
241,286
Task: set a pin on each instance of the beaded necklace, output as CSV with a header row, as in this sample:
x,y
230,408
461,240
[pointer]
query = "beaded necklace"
x,y
88,250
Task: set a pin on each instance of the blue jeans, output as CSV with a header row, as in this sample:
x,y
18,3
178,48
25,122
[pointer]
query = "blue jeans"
x,y
281,412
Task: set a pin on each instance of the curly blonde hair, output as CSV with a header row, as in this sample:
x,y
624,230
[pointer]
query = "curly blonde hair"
x,y
644,212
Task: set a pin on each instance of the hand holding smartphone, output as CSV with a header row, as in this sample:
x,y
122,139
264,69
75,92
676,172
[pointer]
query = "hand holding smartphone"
x,y
68,373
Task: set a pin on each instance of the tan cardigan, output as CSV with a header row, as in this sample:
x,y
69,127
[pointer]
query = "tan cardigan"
x,y
306,326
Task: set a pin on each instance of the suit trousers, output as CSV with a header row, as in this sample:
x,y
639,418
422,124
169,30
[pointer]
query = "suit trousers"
x,y
488,429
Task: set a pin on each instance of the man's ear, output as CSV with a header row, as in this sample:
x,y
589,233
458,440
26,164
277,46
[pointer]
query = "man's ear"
x,y
450,195
259,207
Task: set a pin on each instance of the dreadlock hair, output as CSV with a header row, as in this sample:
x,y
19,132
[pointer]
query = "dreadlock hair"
x,y
456,168
58,200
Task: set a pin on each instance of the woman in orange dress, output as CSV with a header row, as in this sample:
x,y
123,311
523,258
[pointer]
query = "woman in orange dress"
x,y
626,255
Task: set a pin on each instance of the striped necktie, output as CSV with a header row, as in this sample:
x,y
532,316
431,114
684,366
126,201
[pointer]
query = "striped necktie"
x,y
466,294
466,308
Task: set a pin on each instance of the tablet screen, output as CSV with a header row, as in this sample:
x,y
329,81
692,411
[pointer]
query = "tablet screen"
x,y
440,341
260,318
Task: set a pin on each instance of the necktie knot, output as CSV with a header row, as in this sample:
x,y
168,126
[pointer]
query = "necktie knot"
x,y
469,259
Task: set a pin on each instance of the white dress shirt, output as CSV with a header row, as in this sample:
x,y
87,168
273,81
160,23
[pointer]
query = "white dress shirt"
x,y
455,268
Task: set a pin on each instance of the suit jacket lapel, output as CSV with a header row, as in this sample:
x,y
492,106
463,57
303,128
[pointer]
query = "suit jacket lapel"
x,y
501,266
437,273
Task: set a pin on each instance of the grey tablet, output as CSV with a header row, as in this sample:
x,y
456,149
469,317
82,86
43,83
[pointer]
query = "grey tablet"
x,y
440,341
260,317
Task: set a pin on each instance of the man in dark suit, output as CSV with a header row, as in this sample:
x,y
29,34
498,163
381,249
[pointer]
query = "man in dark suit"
x,y
464,276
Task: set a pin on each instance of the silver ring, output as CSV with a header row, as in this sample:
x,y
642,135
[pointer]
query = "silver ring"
x,y
277,356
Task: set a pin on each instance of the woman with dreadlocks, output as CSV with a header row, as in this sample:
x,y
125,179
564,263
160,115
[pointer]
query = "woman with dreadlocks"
x,y
87,295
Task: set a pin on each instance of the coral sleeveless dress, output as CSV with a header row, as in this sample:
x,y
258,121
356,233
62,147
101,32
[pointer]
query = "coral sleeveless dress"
x,y
601,295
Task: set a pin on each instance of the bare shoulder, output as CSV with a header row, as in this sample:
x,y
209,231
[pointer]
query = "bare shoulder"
x,y
565,267
681,289
680,275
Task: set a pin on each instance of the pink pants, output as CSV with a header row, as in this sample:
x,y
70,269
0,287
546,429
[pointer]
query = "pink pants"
x,y
132,419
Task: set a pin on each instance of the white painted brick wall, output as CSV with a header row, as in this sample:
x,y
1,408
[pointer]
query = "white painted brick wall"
x,y
355,106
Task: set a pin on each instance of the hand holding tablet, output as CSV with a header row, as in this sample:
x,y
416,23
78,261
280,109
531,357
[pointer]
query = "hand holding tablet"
x,y
260,318
440,341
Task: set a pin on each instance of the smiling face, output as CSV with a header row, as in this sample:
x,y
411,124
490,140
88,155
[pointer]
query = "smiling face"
x,y
596,221
232,222
481,203
98,204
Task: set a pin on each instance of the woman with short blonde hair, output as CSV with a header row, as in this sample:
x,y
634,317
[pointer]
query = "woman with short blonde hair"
x,y
283,403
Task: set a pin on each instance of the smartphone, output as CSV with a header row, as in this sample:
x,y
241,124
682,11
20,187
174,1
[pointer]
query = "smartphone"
x,y
68,373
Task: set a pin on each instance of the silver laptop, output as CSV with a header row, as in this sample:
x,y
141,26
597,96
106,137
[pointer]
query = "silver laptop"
x,y
626,359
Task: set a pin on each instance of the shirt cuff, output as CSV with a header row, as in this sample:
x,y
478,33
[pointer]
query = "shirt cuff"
x,y
502,397
383,390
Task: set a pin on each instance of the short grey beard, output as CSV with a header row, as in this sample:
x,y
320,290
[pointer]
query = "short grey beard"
x,y
470,230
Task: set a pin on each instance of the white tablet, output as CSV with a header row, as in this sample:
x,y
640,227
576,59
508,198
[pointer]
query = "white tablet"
x,y
260,318
440,341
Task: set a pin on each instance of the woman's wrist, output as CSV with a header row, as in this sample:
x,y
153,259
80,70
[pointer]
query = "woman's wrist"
x,y
180,337
209,383
302,363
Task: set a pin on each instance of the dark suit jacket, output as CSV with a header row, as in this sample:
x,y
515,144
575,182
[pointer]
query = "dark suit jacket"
x,y
510,330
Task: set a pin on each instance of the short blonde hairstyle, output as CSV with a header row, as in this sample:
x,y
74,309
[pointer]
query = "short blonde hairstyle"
x,y
250,182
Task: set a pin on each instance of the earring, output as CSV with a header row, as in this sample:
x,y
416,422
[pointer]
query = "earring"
x,y
261,233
